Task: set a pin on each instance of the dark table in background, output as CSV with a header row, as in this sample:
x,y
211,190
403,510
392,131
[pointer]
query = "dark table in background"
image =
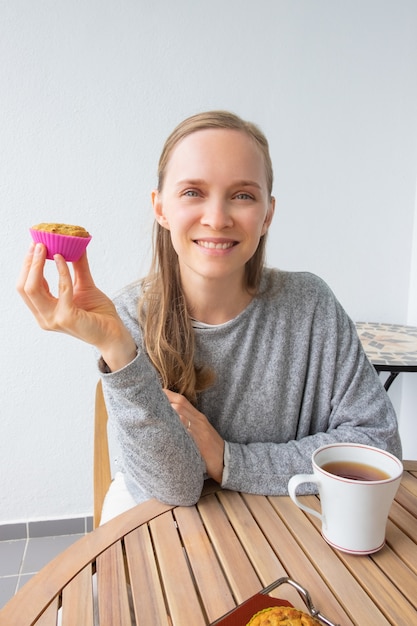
x,y
390,347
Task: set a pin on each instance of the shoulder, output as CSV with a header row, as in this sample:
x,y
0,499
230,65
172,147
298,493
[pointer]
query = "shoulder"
x,y
300,298
294,285
129,292
303,301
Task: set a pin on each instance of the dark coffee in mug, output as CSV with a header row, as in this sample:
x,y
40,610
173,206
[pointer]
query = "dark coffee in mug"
x,y
354,471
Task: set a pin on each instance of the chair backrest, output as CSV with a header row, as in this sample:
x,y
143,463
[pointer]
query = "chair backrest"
x,y
102,471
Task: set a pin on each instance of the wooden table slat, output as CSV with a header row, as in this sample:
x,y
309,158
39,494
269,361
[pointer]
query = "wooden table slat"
x,y
208,574
402,545
396,571
77,600
48,617
113,600
404,520
148,599
242,579
183,602
409,482
388,598
406,498
263,558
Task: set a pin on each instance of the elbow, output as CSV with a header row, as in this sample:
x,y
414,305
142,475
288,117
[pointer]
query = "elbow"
x,y
180,494
170,490
181,500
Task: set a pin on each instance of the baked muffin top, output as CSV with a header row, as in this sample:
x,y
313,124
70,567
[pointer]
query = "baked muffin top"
x,y
282,616
62,229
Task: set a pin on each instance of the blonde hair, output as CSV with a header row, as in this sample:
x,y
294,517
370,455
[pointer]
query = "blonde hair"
x,y
167,330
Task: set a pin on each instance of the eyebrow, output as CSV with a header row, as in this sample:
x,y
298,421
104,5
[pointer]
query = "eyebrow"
x,y
201,181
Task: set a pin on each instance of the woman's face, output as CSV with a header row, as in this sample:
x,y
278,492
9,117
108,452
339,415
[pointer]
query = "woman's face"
x,y
215,203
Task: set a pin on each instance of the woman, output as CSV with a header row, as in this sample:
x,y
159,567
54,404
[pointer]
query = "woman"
x,y
215,365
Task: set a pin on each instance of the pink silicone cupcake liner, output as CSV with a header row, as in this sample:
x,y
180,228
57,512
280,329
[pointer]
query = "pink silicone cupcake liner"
x,y
70,247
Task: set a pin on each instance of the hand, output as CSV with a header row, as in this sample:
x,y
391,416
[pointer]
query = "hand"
x,y
207,439
80,310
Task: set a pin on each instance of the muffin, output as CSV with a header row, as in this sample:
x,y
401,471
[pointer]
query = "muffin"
x,y
282,616
65,239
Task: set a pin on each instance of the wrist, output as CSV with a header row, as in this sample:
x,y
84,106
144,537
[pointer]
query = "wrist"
x,y
119,353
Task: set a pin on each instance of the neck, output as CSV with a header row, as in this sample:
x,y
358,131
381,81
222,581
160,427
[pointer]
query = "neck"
x,y
214,302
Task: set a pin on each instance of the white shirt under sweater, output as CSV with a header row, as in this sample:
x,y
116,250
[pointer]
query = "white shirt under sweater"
x,y
291,375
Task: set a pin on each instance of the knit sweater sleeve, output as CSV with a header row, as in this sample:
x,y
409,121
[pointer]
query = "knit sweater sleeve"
x,y
158,456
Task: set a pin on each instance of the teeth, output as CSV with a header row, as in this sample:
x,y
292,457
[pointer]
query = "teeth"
x,y
216,246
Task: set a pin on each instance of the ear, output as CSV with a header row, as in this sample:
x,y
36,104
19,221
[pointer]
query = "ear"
x,y
269,216
158,210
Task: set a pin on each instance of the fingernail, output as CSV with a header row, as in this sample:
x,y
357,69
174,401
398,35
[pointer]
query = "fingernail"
x,y
38,248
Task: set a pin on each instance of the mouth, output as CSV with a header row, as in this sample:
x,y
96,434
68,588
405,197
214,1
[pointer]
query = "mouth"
x,y
215,245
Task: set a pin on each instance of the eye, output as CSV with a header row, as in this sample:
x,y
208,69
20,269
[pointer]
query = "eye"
x,y
190,193
244,196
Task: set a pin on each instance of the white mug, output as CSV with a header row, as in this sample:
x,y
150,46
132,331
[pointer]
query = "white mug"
x,y
354,511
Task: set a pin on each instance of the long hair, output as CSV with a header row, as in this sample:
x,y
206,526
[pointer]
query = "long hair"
x,y
163,315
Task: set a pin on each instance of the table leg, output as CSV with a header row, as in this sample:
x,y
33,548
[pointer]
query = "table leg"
x,y
390,379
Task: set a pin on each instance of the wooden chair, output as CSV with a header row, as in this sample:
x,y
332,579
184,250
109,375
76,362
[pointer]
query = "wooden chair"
x,y
101,471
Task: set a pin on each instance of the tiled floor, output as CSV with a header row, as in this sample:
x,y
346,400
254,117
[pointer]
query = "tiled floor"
x,y
21,558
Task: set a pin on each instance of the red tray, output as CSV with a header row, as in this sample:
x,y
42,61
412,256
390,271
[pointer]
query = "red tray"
x,y
241,615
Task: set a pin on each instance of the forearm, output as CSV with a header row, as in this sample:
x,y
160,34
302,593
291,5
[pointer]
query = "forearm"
x,y
265,468
361,413
158,456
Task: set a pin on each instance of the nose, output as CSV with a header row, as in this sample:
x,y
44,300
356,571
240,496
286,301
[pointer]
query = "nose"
x,y
216,214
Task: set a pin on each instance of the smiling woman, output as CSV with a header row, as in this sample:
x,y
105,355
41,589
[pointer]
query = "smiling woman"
x,y
215,365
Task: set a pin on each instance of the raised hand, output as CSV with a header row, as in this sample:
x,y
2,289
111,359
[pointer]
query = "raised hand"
x,y
80,309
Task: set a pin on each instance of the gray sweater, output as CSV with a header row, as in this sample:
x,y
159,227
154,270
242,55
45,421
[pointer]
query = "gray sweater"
x,y
291,375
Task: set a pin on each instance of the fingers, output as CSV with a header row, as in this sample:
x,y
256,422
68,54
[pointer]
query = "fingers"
x,y
34,289
82,273
31,277
21,281
179,403
171,395
187,413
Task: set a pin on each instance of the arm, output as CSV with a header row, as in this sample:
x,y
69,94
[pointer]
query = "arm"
x,y
267,467
159,457
341,400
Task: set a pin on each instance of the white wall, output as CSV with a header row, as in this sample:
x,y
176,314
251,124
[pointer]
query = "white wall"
x,y
89,91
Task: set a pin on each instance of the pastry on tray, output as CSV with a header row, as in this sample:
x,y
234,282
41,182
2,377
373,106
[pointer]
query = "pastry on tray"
x,y
282,616
66,239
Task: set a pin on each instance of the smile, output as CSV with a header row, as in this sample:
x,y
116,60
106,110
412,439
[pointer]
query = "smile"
x,y
215,245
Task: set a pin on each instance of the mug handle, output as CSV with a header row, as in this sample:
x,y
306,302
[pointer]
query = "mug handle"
x,y
293,483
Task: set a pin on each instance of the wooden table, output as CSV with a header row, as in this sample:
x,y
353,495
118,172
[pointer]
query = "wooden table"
x,y
390,347
187,566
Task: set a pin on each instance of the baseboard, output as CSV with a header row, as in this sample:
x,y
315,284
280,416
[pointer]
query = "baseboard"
x,y
46,528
